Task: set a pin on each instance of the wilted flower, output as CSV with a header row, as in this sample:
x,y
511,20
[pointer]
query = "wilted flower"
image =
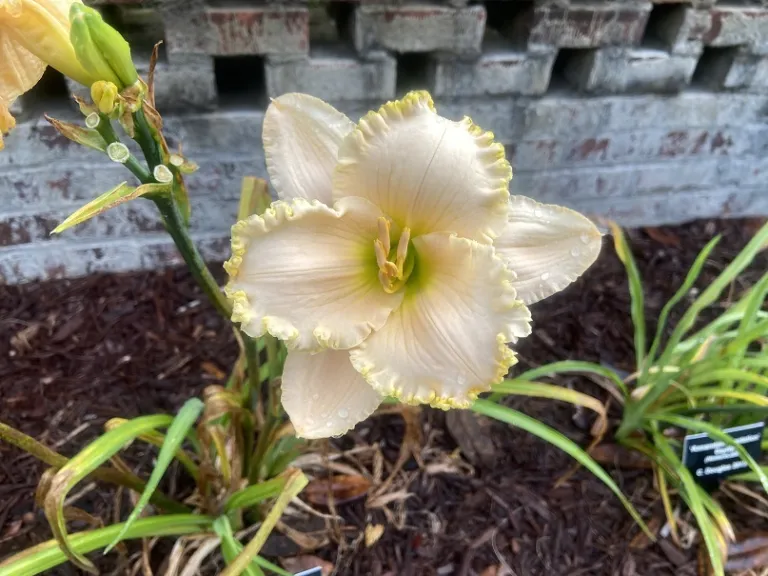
x,y
33,34
396,263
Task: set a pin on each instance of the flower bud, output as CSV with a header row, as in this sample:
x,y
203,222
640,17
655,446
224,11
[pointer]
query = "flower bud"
x,y
101,50
104,95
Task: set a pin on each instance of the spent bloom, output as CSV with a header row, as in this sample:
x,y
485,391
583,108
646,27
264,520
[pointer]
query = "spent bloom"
x,y
33,34
396,263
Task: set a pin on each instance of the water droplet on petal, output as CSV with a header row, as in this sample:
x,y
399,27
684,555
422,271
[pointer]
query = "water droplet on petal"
x,y
329,424
545,276
315,396
585,238
537,212
344,413
575,252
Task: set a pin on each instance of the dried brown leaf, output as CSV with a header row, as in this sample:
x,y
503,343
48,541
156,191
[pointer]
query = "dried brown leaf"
x,y
662,236
372,534
620,456
21,340
341,487
472,434
213,371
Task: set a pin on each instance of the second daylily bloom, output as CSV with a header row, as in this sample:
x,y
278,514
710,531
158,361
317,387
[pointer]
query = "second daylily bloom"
x,y
396,262
33,34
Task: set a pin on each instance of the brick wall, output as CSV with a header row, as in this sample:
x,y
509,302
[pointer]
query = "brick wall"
x,y
645,112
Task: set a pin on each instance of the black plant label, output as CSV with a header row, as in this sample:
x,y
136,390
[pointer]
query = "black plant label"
x,y
711,460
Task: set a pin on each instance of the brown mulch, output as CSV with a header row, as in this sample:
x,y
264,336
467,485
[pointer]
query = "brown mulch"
x,y
77,353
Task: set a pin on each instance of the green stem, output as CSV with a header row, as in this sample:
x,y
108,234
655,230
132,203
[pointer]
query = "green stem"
x,y
252,384
41,558
143,135
174,223
108,133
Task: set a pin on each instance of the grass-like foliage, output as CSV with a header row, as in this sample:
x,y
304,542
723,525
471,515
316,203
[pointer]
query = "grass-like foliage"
x,y
703,377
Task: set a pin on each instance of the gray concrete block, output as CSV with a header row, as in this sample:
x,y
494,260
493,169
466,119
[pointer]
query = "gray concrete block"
x,y
617,70
738,26
494,73
563,116
629,147
183,82
677,207
63,260
419,28
615,181
225,30
589,25
334,75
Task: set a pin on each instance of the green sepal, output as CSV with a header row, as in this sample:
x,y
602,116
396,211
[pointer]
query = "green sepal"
x,y
83,136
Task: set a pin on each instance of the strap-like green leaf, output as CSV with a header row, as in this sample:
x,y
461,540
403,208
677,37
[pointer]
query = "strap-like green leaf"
x,y
520,420
177,431
41,558
691,493
118,195
637,298
295,482
90,458
231,547
255,494
254,197
686,286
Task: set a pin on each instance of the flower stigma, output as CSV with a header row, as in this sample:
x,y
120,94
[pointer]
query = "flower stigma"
x,y
395,263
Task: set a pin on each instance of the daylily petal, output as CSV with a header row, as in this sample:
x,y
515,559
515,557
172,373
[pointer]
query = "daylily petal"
x,y
301,137
546,246
7,122
307,274
20,70
446,342
426,172
324,395
42,28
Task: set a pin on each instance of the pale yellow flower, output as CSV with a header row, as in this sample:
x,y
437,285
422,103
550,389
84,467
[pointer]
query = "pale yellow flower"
x,y
378,267
33,34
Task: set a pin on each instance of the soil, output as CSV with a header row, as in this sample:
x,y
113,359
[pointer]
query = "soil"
x,y
77,353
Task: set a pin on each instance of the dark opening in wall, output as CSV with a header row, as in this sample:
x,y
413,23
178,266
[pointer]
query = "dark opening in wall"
x,y
414,72
240,80
664,25
47,96
142,27
510,22
570,70
330,24
713,66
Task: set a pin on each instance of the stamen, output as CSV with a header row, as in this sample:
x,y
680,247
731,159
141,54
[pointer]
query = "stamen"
x,y
384,231
402,250
392,275
381,254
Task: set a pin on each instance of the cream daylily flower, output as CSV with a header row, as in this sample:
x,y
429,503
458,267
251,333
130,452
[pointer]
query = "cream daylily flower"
x,y
378,266
33,34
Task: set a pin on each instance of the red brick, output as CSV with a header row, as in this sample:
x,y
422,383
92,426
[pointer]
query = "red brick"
x,y
589,26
